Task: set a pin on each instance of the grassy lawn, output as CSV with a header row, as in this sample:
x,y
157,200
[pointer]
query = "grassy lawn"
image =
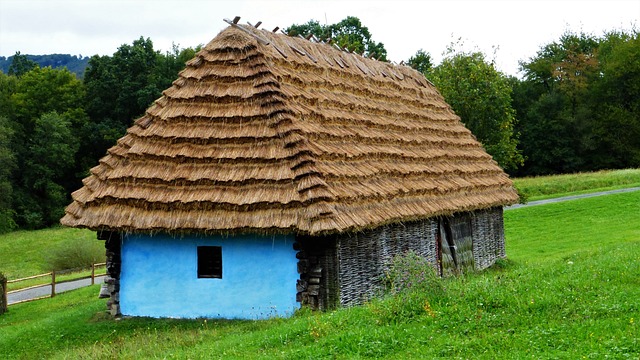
x,y
569,290
546,187
26,253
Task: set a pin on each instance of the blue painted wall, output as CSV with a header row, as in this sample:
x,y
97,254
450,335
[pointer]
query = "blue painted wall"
x,y
159,277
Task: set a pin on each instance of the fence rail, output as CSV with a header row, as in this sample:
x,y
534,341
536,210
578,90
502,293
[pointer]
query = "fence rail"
x,y
52,283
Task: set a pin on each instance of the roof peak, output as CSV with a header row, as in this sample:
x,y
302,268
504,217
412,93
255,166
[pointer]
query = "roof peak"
x,y
306,50
309,37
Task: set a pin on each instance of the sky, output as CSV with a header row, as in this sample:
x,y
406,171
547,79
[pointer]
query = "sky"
x,y
506,31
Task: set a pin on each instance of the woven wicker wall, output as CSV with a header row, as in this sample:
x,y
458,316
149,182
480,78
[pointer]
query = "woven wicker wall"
x,y
488,237
363,256
462,231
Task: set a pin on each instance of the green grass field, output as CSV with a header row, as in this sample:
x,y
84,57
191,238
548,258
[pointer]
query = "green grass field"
x,y
24,253
546,187
570,289
27,253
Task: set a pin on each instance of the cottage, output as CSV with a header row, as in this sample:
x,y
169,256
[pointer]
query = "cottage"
x,y
277,172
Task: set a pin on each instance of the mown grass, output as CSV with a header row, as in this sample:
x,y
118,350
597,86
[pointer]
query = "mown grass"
x,y
546,187
27,253
569,290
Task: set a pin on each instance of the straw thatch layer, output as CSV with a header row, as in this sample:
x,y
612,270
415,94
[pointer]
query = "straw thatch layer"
x,y
291,136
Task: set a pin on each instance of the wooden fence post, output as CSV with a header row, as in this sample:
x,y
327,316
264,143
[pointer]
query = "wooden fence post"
x,y
53,283
3,300
93,273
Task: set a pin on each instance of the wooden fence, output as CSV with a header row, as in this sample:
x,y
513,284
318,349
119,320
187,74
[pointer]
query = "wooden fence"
x,y
52,283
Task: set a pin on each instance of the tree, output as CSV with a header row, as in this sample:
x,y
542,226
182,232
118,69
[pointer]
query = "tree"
x,y
47,119
50,157
481,96
134,67
421,61
118,89
43,90
577,105
169,64
47,140
349,34
7,166
21,65
615,100
121,87
8,84
312,27
7,153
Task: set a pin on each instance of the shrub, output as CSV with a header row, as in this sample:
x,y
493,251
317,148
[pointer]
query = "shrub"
x,y
523,196
413,285
76,253
410,271
6,221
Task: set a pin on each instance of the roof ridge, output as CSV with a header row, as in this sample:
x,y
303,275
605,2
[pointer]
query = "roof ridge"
x,y
263,37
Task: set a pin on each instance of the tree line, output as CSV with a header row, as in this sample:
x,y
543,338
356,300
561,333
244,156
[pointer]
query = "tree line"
x,y
74,63
577,108
54,127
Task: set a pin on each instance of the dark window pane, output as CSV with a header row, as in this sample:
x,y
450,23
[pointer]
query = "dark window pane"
x,y
210,262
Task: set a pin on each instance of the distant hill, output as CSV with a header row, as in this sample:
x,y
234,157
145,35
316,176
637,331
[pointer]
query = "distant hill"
x,y
73,63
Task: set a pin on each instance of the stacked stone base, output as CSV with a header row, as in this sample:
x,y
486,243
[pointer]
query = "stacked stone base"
x,y
113,242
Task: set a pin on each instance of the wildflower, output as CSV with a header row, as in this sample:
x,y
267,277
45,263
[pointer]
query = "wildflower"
x,y
428,309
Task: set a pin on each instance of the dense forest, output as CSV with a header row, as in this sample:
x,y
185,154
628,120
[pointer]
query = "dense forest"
x,y
577,108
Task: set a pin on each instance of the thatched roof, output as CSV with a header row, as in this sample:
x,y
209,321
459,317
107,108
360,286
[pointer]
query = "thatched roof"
x,y
265,132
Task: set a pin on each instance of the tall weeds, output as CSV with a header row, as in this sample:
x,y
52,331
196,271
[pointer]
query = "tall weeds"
x,y
77,253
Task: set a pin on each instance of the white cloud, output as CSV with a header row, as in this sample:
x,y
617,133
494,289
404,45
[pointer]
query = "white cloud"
x,y
517,27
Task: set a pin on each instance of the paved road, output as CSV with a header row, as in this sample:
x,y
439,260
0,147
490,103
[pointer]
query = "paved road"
x,y
45,290
572,197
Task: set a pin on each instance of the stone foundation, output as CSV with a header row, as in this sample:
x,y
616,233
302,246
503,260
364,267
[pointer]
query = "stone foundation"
x,y
317,286
113,242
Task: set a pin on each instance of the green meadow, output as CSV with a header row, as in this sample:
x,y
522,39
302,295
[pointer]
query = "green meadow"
x,y
552,186
569,289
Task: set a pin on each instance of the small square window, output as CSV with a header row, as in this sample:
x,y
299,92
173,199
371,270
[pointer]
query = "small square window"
x,y
210,262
